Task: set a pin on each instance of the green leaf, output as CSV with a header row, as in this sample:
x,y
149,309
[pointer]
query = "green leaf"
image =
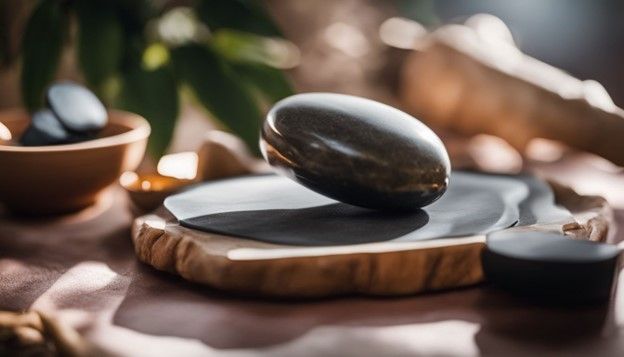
x,y
100,40
154,95
240,46
42,44
220,90
244,15
272,83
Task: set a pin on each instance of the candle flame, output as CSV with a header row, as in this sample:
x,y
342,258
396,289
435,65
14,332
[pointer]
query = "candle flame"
x,y
146,185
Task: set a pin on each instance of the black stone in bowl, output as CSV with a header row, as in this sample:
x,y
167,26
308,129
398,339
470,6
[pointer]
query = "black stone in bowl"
x,y
45,129
76,107
75,114
356,150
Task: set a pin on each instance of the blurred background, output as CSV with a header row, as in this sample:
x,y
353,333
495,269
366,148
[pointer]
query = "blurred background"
x,y
189,66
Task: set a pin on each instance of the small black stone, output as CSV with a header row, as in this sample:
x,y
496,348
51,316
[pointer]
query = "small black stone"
x,y
356,150
76,107
45,129
549,266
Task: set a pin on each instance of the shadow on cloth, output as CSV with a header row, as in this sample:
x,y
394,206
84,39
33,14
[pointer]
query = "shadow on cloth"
x,y
162,304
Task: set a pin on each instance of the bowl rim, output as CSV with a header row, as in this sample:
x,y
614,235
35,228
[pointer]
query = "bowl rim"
x,y
140,130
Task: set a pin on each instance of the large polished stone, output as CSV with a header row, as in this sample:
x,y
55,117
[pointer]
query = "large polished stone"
x,y
356,151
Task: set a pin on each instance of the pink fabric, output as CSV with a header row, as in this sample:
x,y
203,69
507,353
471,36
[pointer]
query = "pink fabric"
x,y
82,269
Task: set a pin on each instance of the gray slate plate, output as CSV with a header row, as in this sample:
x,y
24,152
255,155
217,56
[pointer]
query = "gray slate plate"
x,y
277,210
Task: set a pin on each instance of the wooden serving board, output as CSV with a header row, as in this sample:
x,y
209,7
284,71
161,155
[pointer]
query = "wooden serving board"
x,y
386,268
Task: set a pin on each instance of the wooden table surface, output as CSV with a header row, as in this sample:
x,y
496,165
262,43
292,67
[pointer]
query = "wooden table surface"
x,y
82,269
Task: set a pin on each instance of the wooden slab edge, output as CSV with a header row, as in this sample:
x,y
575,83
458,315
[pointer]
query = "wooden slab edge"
x,y
387,268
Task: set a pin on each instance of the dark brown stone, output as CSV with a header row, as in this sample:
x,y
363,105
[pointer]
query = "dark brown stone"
x,y
356,150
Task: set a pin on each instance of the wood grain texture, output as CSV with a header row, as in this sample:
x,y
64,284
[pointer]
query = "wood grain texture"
x,y
387,268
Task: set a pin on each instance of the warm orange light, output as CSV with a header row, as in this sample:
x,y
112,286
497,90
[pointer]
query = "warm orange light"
x,y
146,185
148,191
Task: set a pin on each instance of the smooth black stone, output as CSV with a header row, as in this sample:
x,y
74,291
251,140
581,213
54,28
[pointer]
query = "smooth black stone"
x,y
76,107
549,266
356,150
45,129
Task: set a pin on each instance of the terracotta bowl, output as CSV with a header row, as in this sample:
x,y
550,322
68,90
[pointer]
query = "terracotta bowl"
x,y
66,178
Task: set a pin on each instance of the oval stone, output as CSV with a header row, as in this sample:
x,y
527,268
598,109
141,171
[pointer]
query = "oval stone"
x,y
356,150
76,107
45,129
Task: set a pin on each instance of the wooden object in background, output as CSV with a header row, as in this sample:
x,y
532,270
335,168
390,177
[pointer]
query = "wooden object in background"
x,y
475,81
225,155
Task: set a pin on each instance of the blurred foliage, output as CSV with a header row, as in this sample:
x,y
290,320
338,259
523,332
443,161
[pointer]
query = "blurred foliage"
x,y
246,16
218,87
42,45
138,55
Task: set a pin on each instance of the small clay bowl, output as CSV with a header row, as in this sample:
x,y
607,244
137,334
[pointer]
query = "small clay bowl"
x,y
44,180
148,191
